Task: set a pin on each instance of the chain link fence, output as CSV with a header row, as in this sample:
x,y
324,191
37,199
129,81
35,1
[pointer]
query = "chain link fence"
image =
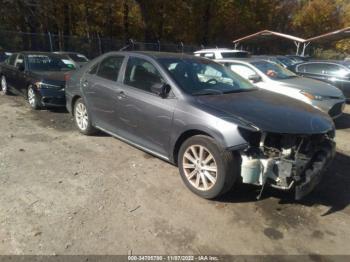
x,y
91,46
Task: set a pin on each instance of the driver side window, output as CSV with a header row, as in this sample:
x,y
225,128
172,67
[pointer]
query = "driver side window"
x,y
12,60
142,74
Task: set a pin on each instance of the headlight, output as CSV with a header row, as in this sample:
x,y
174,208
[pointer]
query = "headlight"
x,y
41,85
312,96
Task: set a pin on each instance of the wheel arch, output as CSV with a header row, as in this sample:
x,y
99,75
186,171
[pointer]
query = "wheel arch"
x,y
183,137
74,100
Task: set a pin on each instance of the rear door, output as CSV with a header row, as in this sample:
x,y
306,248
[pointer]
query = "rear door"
x,y
102,90
9,71
20,76
340,77
313,70
147,118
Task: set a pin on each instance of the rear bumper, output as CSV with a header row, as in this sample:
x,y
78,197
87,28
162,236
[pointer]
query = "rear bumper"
x,y
52,97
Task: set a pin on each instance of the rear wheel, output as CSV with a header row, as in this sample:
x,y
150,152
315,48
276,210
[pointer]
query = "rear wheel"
x,y
4,87
206,168
82,118
33,99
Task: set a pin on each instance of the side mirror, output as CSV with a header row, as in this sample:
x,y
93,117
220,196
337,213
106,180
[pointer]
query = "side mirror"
x,y
161,89
254,78
21,67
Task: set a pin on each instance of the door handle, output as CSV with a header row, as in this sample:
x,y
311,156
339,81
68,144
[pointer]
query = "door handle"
x,y
121,95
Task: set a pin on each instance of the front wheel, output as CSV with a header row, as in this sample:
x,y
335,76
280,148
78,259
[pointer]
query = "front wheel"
x,y
4,87
206,168
82,118
33,99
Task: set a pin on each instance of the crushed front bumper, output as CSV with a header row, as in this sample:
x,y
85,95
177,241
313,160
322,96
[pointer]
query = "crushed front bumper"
x,y
288,162
314,175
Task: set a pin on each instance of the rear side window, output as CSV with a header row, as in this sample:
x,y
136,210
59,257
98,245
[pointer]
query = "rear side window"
x,y
300,68
109,67
314,68
208,55
234,54
335,70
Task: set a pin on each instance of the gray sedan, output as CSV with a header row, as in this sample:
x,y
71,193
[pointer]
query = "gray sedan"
x,y
216,126
270,76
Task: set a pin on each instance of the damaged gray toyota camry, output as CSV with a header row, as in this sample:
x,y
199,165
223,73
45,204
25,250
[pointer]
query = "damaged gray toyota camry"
x,y
214,125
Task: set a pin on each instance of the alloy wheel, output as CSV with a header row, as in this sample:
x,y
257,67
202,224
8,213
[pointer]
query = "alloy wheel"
x,y
31,97
200,167
3,85
81,116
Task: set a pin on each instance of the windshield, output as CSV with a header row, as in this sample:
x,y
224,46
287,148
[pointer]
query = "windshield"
x,y
234,54
4,56
204,77
296,59
272,70
47,63
286,61
78,57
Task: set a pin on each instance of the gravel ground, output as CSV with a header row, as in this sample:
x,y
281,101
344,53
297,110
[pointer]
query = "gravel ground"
x,y
64,193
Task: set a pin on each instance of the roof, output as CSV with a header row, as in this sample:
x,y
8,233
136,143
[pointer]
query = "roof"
x,y
224,50
267,35
154,54
340,62
35,53
246,60
331,36
66,53
270,56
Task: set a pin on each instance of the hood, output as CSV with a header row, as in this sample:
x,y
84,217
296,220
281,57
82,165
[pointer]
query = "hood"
x,y
269,112
312,86
51,76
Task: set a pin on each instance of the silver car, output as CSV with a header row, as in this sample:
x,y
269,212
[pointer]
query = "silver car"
x,y
270,76
194,113
77,59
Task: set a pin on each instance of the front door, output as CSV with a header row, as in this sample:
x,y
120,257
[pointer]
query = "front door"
x,y
147,117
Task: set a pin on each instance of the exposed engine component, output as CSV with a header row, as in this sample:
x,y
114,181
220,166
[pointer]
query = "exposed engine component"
x,y
287,161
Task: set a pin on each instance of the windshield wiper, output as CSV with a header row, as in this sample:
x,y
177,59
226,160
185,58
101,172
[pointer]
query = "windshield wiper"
x,y
207,92
288,77
240,90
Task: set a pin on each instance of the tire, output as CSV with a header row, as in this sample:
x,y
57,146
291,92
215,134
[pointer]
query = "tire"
x,y
198,173
4,87
82,118
33,99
